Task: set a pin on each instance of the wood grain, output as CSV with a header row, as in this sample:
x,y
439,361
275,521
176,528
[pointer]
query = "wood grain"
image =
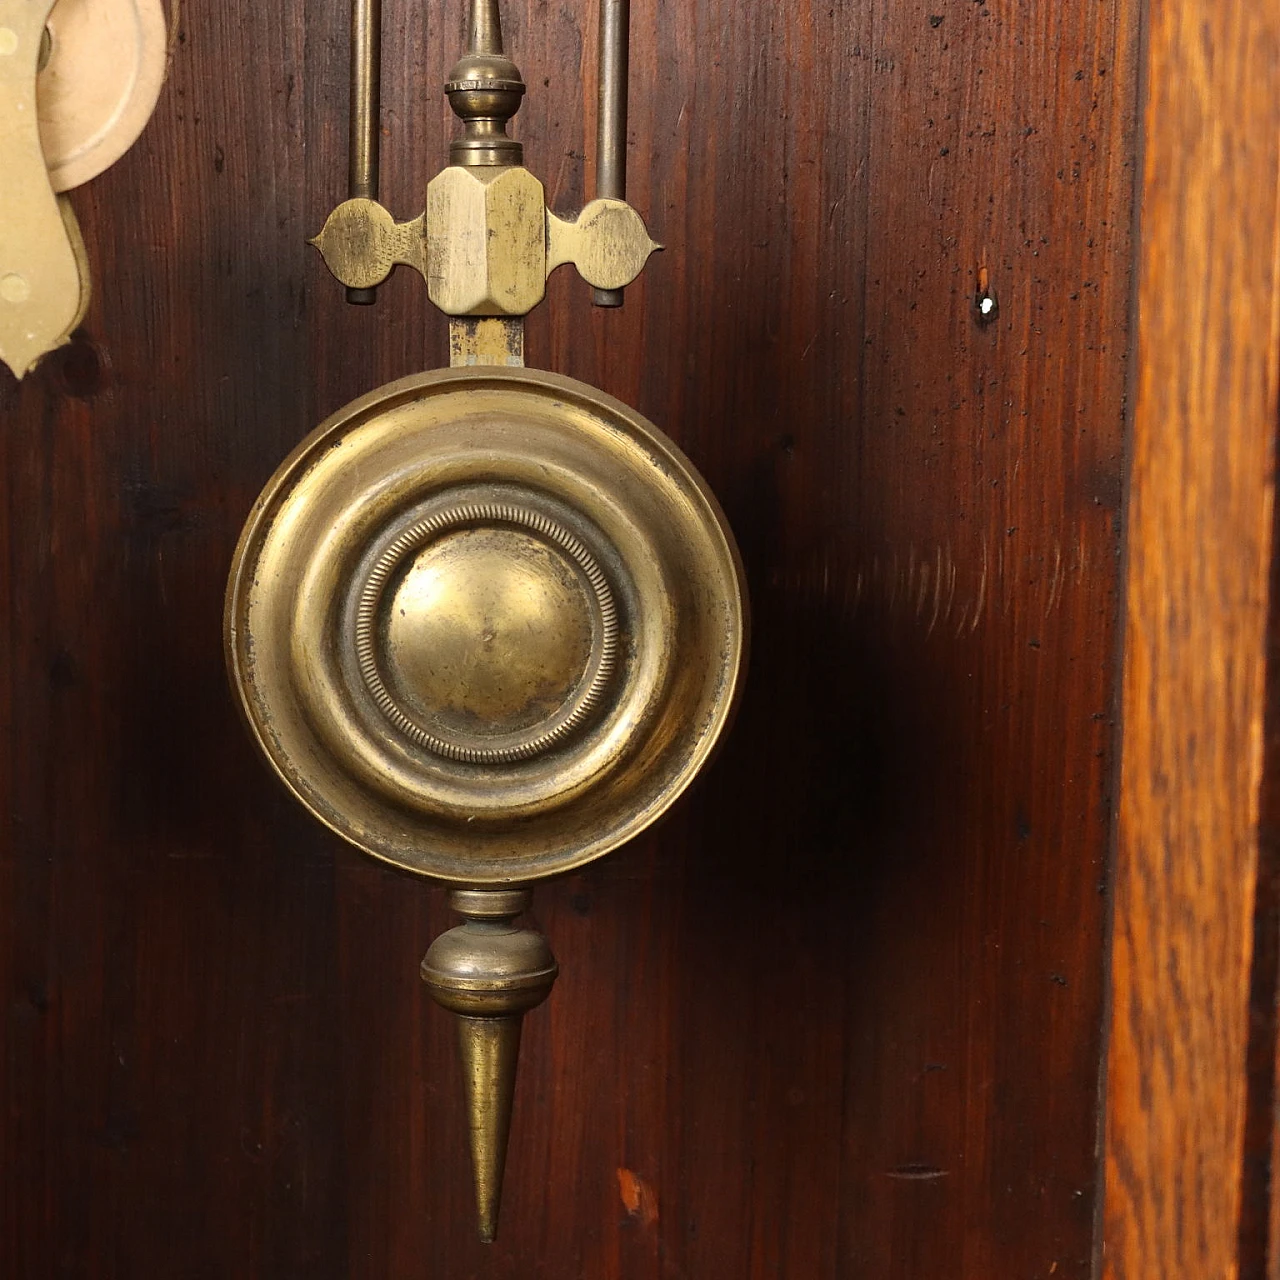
x,y
841,1015
1199,553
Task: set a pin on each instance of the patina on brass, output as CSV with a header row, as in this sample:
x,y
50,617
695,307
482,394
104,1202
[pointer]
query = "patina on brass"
x,y
611,116
486,241
487,623
363,123
486,340
490,974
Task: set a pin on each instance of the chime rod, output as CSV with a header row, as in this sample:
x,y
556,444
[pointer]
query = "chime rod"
x,y
611,116
366,68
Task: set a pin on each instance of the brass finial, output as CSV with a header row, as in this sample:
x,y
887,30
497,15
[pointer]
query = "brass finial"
x,y
490,974
484,91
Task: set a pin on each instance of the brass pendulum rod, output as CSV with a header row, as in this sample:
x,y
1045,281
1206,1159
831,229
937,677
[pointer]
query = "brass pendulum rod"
x,y
490,974
486,27
363,145
485,89
611,116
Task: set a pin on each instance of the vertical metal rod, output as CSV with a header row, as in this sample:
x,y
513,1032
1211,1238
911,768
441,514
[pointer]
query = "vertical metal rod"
x,y
486,27
611,116
366,72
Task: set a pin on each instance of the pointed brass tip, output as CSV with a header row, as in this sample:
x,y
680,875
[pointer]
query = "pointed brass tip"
x,y
490,1049
490,974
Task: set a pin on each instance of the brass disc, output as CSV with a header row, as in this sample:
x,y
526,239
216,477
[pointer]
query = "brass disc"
x,y
486,624
99,87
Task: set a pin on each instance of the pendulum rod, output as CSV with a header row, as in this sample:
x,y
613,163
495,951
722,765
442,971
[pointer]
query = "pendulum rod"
x,y
611,116
362,158
485,89
486,27
486,971
486,340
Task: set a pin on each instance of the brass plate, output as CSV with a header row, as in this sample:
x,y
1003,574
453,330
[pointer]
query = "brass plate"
x,y
486,623
106,66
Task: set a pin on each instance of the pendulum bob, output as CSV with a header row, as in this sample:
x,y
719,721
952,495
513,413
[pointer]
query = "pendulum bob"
x,y
487,624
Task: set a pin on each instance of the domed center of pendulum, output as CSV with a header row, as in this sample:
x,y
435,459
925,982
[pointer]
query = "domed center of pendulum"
x,y
490,974
488,632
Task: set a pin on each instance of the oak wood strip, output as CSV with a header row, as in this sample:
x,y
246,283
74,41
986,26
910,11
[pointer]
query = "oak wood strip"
x,y
1199,548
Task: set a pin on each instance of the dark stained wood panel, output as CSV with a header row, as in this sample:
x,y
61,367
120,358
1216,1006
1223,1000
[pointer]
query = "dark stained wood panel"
x,y
840,1015
1188,1141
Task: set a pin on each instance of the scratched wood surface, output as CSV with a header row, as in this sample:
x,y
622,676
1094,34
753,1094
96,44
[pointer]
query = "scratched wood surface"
x,y
1190,1102
841,1015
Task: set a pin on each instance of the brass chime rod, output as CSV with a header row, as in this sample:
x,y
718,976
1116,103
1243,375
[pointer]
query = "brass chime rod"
x,y
362,159
611,116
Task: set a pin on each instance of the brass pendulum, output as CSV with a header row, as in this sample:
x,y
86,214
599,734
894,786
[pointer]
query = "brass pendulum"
x,y
487,622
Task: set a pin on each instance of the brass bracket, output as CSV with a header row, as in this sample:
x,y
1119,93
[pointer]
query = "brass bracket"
x,y
486,243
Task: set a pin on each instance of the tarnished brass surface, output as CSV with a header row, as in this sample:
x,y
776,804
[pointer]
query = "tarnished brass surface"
x,y
611,115
361,243
490,974
366,94
486,241
486,340
486,623
485,88
607,242
364,115
487,632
